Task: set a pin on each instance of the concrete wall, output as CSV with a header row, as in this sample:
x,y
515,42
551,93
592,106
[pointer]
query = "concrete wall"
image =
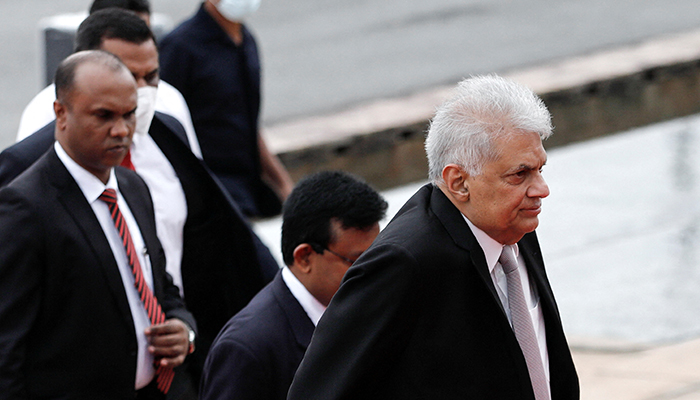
x,y
588,96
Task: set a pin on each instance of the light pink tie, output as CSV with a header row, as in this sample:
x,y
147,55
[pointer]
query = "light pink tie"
x,y
522,325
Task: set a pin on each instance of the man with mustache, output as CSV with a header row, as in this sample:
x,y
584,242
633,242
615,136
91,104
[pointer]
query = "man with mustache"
x,y
88,310
213,255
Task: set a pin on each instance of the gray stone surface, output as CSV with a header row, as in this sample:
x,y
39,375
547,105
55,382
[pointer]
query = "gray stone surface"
x,y
321,56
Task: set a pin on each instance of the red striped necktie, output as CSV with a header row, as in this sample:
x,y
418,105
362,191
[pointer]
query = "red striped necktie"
x,y
164,375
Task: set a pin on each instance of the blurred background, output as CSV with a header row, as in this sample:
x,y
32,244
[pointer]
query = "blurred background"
x,y
322,56
620,231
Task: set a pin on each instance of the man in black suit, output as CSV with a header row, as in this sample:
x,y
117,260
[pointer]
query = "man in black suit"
x,y
452,301
73,320
328,220
213,255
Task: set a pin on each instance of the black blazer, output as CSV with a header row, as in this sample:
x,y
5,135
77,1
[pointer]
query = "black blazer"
x,y
418,317
257,353
224,264
66,330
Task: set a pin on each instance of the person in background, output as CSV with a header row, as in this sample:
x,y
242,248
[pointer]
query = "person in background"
x,y
39,111
328,221
142,8
87,309
212,58
213,255
452,300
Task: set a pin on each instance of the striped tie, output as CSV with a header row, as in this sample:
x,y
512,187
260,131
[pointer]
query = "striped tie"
x,y
164,375
522,325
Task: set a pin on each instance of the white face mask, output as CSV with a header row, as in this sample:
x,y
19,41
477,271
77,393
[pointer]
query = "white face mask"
x,y
236,10
146,108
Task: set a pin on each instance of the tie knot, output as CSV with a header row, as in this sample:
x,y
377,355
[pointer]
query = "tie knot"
x,y
507,260
109,196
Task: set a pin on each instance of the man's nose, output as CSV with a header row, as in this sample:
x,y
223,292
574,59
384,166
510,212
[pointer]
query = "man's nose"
x,y
539,188
120,128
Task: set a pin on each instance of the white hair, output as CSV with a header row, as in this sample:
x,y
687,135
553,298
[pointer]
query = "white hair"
x,y
482,109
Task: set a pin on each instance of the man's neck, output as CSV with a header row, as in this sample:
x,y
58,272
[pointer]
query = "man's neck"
x,y
232,28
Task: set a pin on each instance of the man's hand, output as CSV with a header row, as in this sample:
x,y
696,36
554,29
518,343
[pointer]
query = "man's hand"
x,y
168,342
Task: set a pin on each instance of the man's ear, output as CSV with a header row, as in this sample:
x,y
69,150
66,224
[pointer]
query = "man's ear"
x,y
456,182
302,254
60,110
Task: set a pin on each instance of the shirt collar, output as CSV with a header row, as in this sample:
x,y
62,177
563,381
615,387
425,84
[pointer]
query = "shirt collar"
x,y
314,309
89,184
491,248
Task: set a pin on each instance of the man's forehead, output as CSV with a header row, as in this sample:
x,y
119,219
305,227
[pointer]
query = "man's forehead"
x,y
94,81
126,49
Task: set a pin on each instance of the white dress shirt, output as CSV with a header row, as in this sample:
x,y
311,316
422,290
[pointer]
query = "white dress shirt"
x,y
169,200
169,100
92,188
314,309
492,251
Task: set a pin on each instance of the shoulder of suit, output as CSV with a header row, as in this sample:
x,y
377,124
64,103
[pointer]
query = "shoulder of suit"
x,y
171,123
129,180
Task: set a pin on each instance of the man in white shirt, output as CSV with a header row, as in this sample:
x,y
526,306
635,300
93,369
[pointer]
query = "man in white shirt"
x,y
74,276
328,220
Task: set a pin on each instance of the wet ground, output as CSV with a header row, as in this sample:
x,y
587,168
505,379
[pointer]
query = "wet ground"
x,y
619,232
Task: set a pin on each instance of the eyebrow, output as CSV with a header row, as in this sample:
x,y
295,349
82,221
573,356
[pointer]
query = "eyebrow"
x,y
525,167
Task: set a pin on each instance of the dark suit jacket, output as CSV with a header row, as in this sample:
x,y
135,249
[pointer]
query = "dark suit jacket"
x,y
259,349
418,317
66,330
224,264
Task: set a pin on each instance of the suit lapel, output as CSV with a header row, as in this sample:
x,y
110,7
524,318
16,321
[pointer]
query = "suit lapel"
x,y
530,249
560,362
74,203
459,231
299,321
135,196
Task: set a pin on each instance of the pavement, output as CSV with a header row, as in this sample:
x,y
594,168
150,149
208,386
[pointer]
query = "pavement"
x,y
657,373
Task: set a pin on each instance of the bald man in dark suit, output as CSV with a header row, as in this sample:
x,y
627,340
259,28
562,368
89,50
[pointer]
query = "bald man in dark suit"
x,y
86,312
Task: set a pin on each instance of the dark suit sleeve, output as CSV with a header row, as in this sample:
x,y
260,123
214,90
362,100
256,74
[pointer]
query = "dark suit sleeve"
x,y
364,330
234,372
20,156
8,167
20,281
170,299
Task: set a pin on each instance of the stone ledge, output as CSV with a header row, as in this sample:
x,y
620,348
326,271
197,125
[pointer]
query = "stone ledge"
x,y
588,96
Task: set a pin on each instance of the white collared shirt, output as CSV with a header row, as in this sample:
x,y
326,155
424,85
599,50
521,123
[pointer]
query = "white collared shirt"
x,y
169,202
492,251
314,309
92,188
